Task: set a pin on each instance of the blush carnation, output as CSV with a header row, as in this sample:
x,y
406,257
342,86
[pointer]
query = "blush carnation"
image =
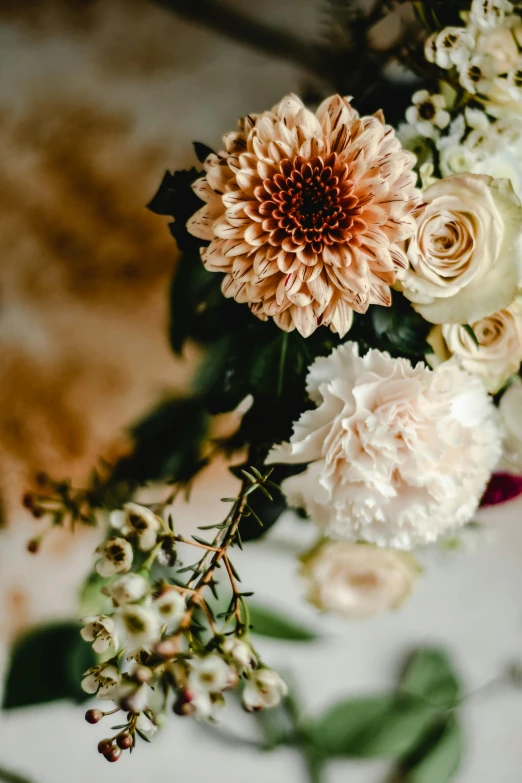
x,y
305,213
397,455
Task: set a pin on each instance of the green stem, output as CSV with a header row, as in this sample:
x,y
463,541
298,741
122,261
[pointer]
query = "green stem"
x,y
314,766
282,361
11,777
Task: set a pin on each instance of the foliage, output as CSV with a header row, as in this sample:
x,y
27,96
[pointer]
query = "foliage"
x,y
276,625
168,443
417,726
47,664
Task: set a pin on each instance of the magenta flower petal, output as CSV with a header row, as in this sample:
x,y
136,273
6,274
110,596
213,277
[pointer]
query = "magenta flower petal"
x,y
501,488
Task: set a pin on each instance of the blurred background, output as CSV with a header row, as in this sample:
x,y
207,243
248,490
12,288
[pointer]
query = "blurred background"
x,y
97,99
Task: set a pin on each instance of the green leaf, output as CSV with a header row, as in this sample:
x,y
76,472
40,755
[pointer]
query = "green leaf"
x,y
168,443
399,328
47,664
176,198
373,727
276,625
442,761
469,329
429,675
202,150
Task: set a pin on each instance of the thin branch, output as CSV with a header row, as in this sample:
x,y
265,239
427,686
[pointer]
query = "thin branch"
x,y
238,26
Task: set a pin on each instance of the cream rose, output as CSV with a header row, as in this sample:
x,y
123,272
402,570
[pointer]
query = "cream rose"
x,y
466,255
357,580
499,351
511,412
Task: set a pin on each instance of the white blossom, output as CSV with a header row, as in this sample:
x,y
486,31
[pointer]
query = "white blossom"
x,y
397,455
264,689
428,113
451,47
103,680
127,589
137,521
139,625
99,630
488,14
133,697
146,725
241,654
170,607
208,674
115,557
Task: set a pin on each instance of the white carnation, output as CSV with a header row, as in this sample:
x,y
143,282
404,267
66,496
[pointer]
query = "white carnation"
x,y
397,455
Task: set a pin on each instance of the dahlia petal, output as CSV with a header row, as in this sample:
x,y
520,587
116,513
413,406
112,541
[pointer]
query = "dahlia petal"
x,y
218,176
284,320
309,273
288,262
251,210
224,230
202,189
342,318
235,142
236,247
301,299
320,289
380,295
304,320
255,235
200,225
215,259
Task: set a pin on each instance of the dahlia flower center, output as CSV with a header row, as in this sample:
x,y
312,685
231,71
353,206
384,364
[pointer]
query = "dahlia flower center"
x,y
312,202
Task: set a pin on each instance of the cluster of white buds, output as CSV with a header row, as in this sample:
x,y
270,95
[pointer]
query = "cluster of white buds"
x,y
485,54
162,635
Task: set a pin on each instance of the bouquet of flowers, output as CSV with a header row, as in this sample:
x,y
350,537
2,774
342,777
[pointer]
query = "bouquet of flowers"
x,y
356,290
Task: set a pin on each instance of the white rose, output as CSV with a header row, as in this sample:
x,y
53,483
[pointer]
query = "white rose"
x,y
511,412
397,455
499,351
357,580
466,255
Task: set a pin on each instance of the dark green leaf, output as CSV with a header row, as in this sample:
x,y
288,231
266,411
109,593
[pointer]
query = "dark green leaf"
x,y
373,727
176,198
469,329
47,664
202,151
262,510
430,675
168,443
266,622
442,761
400,329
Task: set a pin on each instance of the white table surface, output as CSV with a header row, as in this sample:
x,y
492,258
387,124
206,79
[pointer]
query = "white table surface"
x,y
468,601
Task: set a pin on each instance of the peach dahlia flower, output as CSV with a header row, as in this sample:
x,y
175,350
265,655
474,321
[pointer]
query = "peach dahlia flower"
x,y
305,212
